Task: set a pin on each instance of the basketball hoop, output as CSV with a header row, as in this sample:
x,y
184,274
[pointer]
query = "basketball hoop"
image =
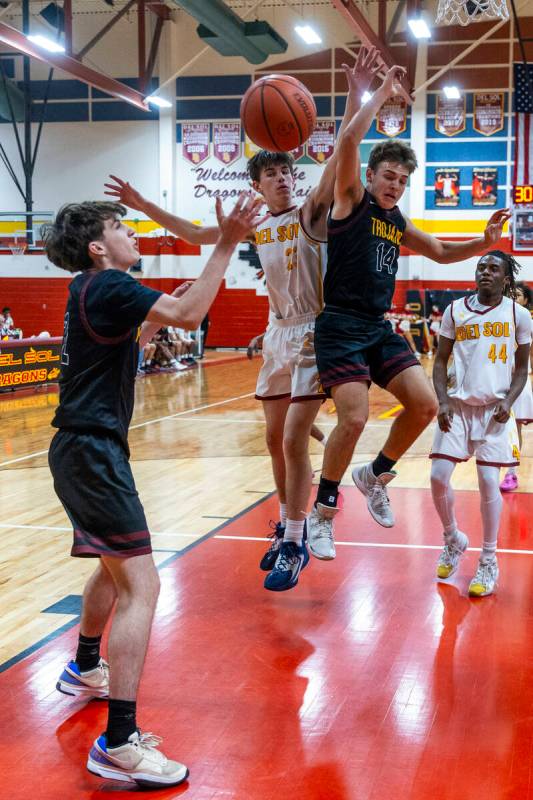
x,y
17,247
463,12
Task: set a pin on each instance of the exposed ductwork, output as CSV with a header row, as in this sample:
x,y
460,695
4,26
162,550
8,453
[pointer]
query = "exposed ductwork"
x,y
229,35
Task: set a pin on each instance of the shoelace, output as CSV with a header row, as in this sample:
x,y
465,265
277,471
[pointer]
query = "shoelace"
x,y
380,498
148,743
287,558
483,574
450,551
324,529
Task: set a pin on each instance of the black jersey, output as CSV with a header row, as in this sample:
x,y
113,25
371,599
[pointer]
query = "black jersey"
x,y
100,351
363,252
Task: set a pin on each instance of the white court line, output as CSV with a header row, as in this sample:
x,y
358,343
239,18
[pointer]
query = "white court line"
x,y
262,539
140,425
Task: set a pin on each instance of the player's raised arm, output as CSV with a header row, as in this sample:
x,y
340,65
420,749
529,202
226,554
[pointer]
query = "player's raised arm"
x,y
189,310
359,78
126,194
450,252
348,186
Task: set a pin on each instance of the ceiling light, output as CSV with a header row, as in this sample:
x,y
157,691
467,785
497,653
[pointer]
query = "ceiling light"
x,y
158,101
47,44
452,92
308,34
419,28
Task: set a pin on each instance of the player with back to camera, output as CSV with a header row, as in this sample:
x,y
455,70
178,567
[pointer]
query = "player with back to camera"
x,y
109,315
354,343
291,246
523,406
475,407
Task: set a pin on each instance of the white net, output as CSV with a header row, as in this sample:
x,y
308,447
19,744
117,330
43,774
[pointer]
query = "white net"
x,y
463,12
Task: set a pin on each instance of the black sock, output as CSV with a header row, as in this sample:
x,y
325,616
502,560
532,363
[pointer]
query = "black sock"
x,y
88,652
121,721
382,464
328,492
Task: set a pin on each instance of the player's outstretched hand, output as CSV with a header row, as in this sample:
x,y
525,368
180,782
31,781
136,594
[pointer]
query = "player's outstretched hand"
x,y
445,417
255,345
244,218
502,412
392,80
494,229
361,75
124,193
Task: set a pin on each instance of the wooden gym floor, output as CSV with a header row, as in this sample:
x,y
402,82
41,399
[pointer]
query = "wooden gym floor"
x,y
368,680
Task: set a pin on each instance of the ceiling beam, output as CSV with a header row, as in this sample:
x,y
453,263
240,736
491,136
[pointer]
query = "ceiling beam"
x,y
15,39
369,38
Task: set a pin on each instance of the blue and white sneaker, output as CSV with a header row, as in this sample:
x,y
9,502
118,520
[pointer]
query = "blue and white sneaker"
x,y
269,558
94,683
290,562
137,761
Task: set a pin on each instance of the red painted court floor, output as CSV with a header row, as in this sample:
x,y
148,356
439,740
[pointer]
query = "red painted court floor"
x,y
368,681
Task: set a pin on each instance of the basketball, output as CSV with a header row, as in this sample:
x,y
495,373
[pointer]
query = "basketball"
x,y
278,113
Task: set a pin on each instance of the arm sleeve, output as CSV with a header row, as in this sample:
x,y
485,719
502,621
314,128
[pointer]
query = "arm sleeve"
x,y
523,325
447,328
125,300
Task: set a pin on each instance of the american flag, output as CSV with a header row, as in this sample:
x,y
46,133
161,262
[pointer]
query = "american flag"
x,y
523,106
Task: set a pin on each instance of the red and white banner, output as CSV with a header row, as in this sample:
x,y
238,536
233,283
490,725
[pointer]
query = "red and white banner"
x,y
321,143
227,141
195,141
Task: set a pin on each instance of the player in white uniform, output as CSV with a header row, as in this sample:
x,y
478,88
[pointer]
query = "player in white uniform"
x,y
475,412
523,407
291,249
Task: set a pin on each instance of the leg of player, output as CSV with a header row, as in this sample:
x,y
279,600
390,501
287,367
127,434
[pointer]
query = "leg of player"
x,y
351,402
455,541
412,388
122,752
510,480
486,577
275,412
293,555
88,674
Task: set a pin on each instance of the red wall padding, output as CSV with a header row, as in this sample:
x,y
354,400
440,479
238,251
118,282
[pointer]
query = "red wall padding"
x,y
236,315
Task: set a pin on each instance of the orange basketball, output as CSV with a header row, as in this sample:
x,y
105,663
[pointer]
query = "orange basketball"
x,y
278,113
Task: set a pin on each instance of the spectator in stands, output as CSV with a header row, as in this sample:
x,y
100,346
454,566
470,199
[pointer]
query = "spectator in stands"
x,y
433,322
165,353
187,343
147,358
204,329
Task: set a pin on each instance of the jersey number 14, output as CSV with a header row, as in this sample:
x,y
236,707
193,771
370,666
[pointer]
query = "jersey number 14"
x,y
385,258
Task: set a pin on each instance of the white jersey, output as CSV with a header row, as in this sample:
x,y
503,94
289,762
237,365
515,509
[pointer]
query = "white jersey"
x,y
294,265
485,341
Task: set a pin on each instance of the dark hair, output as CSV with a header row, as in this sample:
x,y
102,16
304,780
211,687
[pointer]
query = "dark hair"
x,y
527,292
264,159
393,150
512,268
67,239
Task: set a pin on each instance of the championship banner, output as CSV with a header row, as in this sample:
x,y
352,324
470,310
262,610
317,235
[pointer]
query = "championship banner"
x,y
447,184
195,141
227,141
29,362
488,112
298,153
450,116
322,141
391,119
484,186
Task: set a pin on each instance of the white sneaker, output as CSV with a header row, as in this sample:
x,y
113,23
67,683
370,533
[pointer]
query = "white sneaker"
x,y
320,532
377,499
138,761
451,554
486,578
94,683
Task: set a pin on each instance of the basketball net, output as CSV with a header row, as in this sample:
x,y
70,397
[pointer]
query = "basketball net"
x,y
17,248
463,12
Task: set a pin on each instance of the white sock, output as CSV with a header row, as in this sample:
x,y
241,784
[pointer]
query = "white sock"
x,y
491,508
443,497
511,471
294,531
283,513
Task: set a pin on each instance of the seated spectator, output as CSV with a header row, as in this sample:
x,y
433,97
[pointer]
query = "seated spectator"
x,y
147,358
187,343
165,353
434,321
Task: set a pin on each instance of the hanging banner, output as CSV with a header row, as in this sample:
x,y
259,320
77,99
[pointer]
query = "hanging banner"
x,y
227,141
322,141
488,112
195,141
484,186
450,116
391,119
298,152
447,185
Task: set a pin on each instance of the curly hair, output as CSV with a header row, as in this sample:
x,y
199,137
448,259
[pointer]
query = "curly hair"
x,y
264,159
395,151
67,238
527,291
512,268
